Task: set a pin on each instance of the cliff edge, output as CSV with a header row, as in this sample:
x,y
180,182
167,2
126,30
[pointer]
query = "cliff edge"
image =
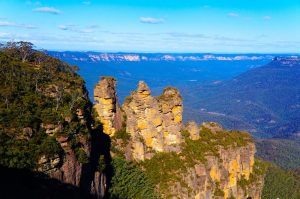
x,y
183,161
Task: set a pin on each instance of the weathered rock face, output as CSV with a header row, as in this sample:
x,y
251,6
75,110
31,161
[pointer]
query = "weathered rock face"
x,y
212,126
193,129
67,166
223,174
153,123
69,170
171,107
107,105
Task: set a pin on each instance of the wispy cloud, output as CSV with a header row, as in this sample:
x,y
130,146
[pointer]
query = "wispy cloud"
x,y
12,24
233,14
5,35
63,27
151,20
75,28
50,10
267,17
6,23
186,35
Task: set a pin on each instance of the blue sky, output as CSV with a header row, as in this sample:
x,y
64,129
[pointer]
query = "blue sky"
x,y
224,26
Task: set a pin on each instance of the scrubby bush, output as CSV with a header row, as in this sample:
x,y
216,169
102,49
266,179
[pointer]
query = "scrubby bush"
x,y
129,181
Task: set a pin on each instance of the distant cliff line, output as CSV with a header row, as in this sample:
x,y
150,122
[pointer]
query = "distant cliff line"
x,y
142,57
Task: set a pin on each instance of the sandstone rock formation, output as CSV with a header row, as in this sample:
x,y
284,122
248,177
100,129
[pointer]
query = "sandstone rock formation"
x,y
193,129
220,175
212,126
153,123
107,105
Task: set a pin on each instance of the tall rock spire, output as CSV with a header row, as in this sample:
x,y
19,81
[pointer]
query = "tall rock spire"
x,y
107,105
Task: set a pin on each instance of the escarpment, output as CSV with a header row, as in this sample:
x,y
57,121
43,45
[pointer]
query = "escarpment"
x,y
183,161
46,125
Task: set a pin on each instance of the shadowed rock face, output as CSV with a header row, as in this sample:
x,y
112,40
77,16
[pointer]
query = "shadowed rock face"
x,y
107,105
153,123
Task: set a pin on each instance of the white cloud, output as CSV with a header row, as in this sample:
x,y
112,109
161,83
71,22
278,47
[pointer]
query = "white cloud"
x,y
5,35
63,27
50,10
233,14
6,23
151,20
12,24
75,28
86,30
267,17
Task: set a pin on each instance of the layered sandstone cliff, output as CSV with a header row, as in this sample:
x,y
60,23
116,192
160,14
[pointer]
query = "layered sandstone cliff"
x,y
107,105
154,124
195,161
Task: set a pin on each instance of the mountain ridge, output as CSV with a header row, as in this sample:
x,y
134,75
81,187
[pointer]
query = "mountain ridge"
x,y
139,57
264,99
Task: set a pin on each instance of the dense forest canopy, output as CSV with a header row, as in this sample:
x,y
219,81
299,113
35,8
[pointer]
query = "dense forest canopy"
x,y
36,91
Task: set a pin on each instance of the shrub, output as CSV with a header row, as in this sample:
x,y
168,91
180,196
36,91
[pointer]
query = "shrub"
x,y
50,147
129,181
81,156
280,184
101,163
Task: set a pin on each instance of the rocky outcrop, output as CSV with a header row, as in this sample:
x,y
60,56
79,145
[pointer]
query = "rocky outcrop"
x,y
193,129
107,105
213,165
74,164
171,107
154,124
220,176
212,126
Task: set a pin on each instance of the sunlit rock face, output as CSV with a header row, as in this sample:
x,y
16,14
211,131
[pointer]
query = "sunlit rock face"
x,y
220,173
171,107
107,105
154,123
224,174
193,129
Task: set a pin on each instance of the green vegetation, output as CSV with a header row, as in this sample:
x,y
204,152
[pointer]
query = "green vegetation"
x,y
50,147
129,181
218,191
282,152
209,143
18,153
172,165
224,138
37,93
122,135
281,184
163,167
185,134
259,170
101,163
81,156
